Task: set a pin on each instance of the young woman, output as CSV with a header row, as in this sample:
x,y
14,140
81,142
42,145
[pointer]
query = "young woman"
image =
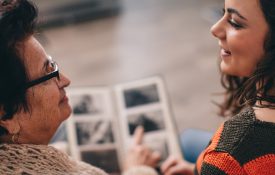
x,y
245,144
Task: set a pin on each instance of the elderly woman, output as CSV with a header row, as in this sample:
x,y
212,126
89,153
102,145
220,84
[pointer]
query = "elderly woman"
x,y
33,103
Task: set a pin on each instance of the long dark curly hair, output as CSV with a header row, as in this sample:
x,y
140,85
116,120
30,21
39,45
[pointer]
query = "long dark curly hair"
x,y
242,92
17,22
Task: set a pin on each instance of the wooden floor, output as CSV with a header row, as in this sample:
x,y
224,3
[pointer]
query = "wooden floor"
x,y
150,37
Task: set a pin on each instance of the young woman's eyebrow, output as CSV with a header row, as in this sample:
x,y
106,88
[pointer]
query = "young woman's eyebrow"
x,y
234,11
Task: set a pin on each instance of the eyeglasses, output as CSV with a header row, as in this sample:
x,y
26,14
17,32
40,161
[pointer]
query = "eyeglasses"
x,y
53,72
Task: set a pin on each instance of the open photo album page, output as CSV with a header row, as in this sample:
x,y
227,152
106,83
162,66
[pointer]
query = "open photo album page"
x,y
92,133
145,103
104,119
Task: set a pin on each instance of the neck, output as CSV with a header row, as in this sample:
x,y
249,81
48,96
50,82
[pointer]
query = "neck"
x,y
265,114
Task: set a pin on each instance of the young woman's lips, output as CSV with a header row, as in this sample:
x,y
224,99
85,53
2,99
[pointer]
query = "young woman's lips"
x,y
225,53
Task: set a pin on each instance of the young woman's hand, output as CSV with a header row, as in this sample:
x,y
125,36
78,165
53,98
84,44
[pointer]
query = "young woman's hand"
x,y
174,166
139,154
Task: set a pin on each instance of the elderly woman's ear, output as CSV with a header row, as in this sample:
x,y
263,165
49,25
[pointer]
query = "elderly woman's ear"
x,y
11,125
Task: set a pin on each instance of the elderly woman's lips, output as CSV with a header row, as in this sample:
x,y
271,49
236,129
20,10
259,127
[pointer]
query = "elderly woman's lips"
x,y
64,99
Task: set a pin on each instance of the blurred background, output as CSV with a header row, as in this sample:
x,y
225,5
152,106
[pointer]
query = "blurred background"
x,y
106,42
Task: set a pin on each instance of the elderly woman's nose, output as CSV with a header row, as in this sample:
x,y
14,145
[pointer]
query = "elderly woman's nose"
x,y
64,81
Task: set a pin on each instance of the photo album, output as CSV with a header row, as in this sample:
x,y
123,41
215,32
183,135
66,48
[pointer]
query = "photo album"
x,y
104,119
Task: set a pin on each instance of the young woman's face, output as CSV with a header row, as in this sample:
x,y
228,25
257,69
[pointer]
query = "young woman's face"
x,y
241,33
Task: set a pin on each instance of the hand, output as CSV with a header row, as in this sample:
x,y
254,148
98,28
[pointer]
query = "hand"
x,y
139,154
174,166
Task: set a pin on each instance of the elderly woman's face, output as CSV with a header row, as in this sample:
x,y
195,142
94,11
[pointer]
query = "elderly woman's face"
x,y
47,101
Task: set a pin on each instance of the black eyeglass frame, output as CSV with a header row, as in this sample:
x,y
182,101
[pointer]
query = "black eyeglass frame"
x,y
47,77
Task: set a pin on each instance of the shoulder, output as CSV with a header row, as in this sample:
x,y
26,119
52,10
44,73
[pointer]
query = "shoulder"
x,y
232,132
246,138
242,144
235,131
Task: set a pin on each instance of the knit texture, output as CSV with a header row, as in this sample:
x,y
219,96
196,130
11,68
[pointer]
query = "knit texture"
x,y
243,145
26,159
40,159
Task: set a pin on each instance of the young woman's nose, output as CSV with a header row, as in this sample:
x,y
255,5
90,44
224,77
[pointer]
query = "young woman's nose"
x,y
218,29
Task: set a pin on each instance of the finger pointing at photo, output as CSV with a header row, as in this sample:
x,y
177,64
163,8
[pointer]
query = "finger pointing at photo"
x,y
138,136
139,154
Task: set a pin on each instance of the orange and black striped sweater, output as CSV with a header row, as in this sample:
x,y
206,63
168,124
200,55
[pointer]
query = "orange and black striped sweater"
x,y
243,145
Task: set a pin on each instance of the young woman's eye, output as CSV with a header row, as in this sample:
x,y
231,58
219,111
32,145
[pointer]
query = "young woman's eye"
x,y
234,24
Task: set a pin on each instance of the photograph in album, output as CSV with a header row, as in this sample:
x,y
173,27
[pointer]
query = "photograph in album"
x,y
151,121
86,104
141,96
104,159
97,132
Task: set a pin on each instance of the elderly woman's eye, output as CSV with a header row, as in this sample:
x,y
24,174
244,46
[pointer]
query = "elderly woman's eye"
x,y
50,68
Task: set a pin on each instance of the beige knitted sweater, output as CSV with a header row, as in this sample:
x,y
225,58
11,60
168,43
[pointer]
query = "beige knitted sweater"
x,y
28,159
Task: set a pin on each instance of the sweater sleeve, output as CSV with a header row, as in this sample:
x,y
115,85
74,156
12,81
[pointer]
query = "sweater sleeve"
x,y
140,170
220,163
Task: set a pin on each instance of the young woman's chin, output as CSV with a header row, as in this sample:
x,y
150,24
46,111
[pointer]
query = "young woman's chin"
x,y
227,69
238,66
234,71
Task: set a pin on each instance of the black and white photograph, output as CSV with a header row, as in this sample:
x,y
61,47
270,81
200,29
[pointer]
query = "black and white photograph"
x,y
141,96
86,104
151,121
104,159
94,132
